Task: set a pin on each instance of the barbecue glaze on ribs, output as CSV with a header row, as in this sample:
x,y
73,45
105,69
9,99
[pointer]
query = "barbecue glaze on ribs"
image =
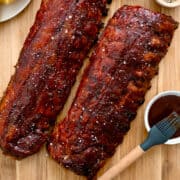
x,y
113,87
58,42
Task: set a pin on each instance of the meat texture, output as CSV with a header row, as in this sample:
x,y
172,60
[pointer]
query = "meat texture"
x,y
58,42
112,88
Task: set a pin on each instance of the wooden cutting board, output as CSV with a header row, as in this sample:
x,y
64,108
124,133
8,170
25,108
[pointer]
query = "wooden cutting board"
x,y
160,163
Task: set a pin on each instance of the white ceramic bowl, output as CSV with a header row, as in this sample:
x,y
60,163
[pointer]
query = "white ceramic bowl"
x,y
154,99
169,5
11,10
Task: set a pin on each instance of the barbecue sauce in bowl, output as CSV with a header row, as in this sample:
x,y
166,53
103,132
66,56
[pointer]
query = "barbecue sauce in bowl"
x,y
163,107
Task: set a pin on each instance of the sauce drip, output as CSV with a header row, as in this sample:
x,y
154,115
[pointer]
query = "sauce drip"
x,y
162,108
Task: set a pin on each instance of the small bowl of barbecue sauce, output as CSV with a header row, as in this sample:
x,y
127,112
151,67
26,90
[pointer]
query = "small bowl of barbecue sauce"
x,y
160,107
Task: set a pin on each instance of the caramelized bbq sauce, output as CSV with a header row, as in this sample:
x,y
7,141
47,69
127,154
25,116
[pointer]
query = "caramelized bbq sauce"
x,y
162,108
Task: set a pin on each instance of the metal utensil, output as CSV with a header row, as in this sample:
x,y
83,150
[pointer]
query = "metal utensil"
x,y
6,1
158,134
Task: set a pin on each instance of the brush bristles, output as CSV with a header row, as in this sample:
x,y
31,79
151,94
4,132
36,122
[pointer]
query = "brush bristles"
x,y
170,124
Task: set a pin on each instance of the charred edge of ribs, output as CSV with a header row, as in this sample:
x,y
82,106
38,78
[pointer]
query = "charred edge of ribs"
x,y
60,39
112,88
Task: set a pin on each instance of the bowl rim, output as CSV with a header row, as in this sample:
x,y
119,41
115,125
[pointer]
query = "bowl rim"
x,y
151,102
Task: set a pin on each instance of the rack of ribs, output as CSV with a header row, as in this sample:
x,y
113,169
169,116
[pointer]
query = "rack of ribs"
x,y
114,85
60,39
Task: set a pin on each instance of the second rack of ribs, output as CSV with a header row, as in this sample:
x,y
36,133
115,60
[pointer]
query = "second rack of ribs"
x,y
112,88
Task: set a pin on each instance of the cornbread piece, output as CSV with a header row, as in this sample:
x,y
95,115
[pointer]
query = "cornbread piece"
x,y
62,35
112,88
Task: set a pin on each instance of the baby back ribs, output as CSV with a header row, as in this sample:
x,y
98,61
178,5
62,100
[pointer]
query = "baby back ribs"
x,y
113,87
58,42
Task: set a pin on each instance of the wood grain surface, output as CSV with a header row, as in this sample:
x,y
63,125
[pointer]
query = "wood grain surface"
x,y
160,163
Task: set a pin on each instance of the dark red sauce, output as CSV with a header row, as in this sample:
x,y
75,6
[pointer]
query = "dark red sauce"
x,y
162,108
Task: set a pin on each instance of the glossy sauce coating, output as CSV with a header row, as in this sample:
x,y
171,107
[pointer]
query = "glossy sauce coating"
x,y
60,39
112,88
162,108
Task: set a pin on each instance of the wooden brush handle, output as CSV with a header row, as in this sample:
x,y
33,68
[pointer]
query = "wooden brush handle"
x,y
122,164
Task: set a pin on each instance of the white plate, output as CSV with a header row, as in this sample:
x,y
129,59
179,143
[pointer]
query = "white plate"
x,y
9,11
